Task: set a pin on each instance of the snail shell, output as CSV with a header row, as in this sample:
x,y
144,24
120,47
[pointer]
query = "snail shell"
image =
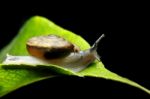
x,y
55,50
50,47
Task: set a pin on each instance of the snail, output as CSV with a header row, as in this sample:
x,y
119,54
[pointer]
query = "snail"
x,y
52,49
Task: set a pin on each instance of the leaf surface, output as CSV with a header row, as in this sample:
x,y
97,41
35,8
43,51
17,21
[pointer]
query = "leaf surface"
x,y
13,78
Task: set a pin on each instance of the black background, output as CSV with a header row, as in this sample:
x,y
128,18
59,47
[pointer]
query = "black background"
x,y
124,50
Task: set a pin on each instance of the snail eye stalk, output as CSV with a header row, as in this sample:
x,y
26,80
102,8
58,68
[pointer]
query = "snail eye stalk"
x,y
95,45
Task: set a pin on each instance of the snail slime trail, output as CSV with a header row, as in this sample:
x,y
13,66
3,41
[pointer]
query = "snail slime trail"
x,y
52,49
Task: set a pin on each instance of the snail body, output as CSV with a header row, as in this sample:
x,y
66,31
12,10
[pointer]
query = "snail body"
x,y
55,50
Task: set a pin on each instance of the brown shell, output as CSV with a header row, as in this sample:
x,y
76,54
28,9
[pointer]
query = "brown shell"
x,y
50,47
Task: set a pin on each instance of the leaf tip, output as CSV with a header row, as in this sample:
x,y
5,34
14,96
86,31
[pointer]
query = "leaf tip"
x,y
37,18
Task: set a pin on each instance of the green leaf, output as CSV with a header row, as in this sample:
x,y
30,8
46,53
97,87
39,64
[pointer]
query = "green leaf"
x,y
13,78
